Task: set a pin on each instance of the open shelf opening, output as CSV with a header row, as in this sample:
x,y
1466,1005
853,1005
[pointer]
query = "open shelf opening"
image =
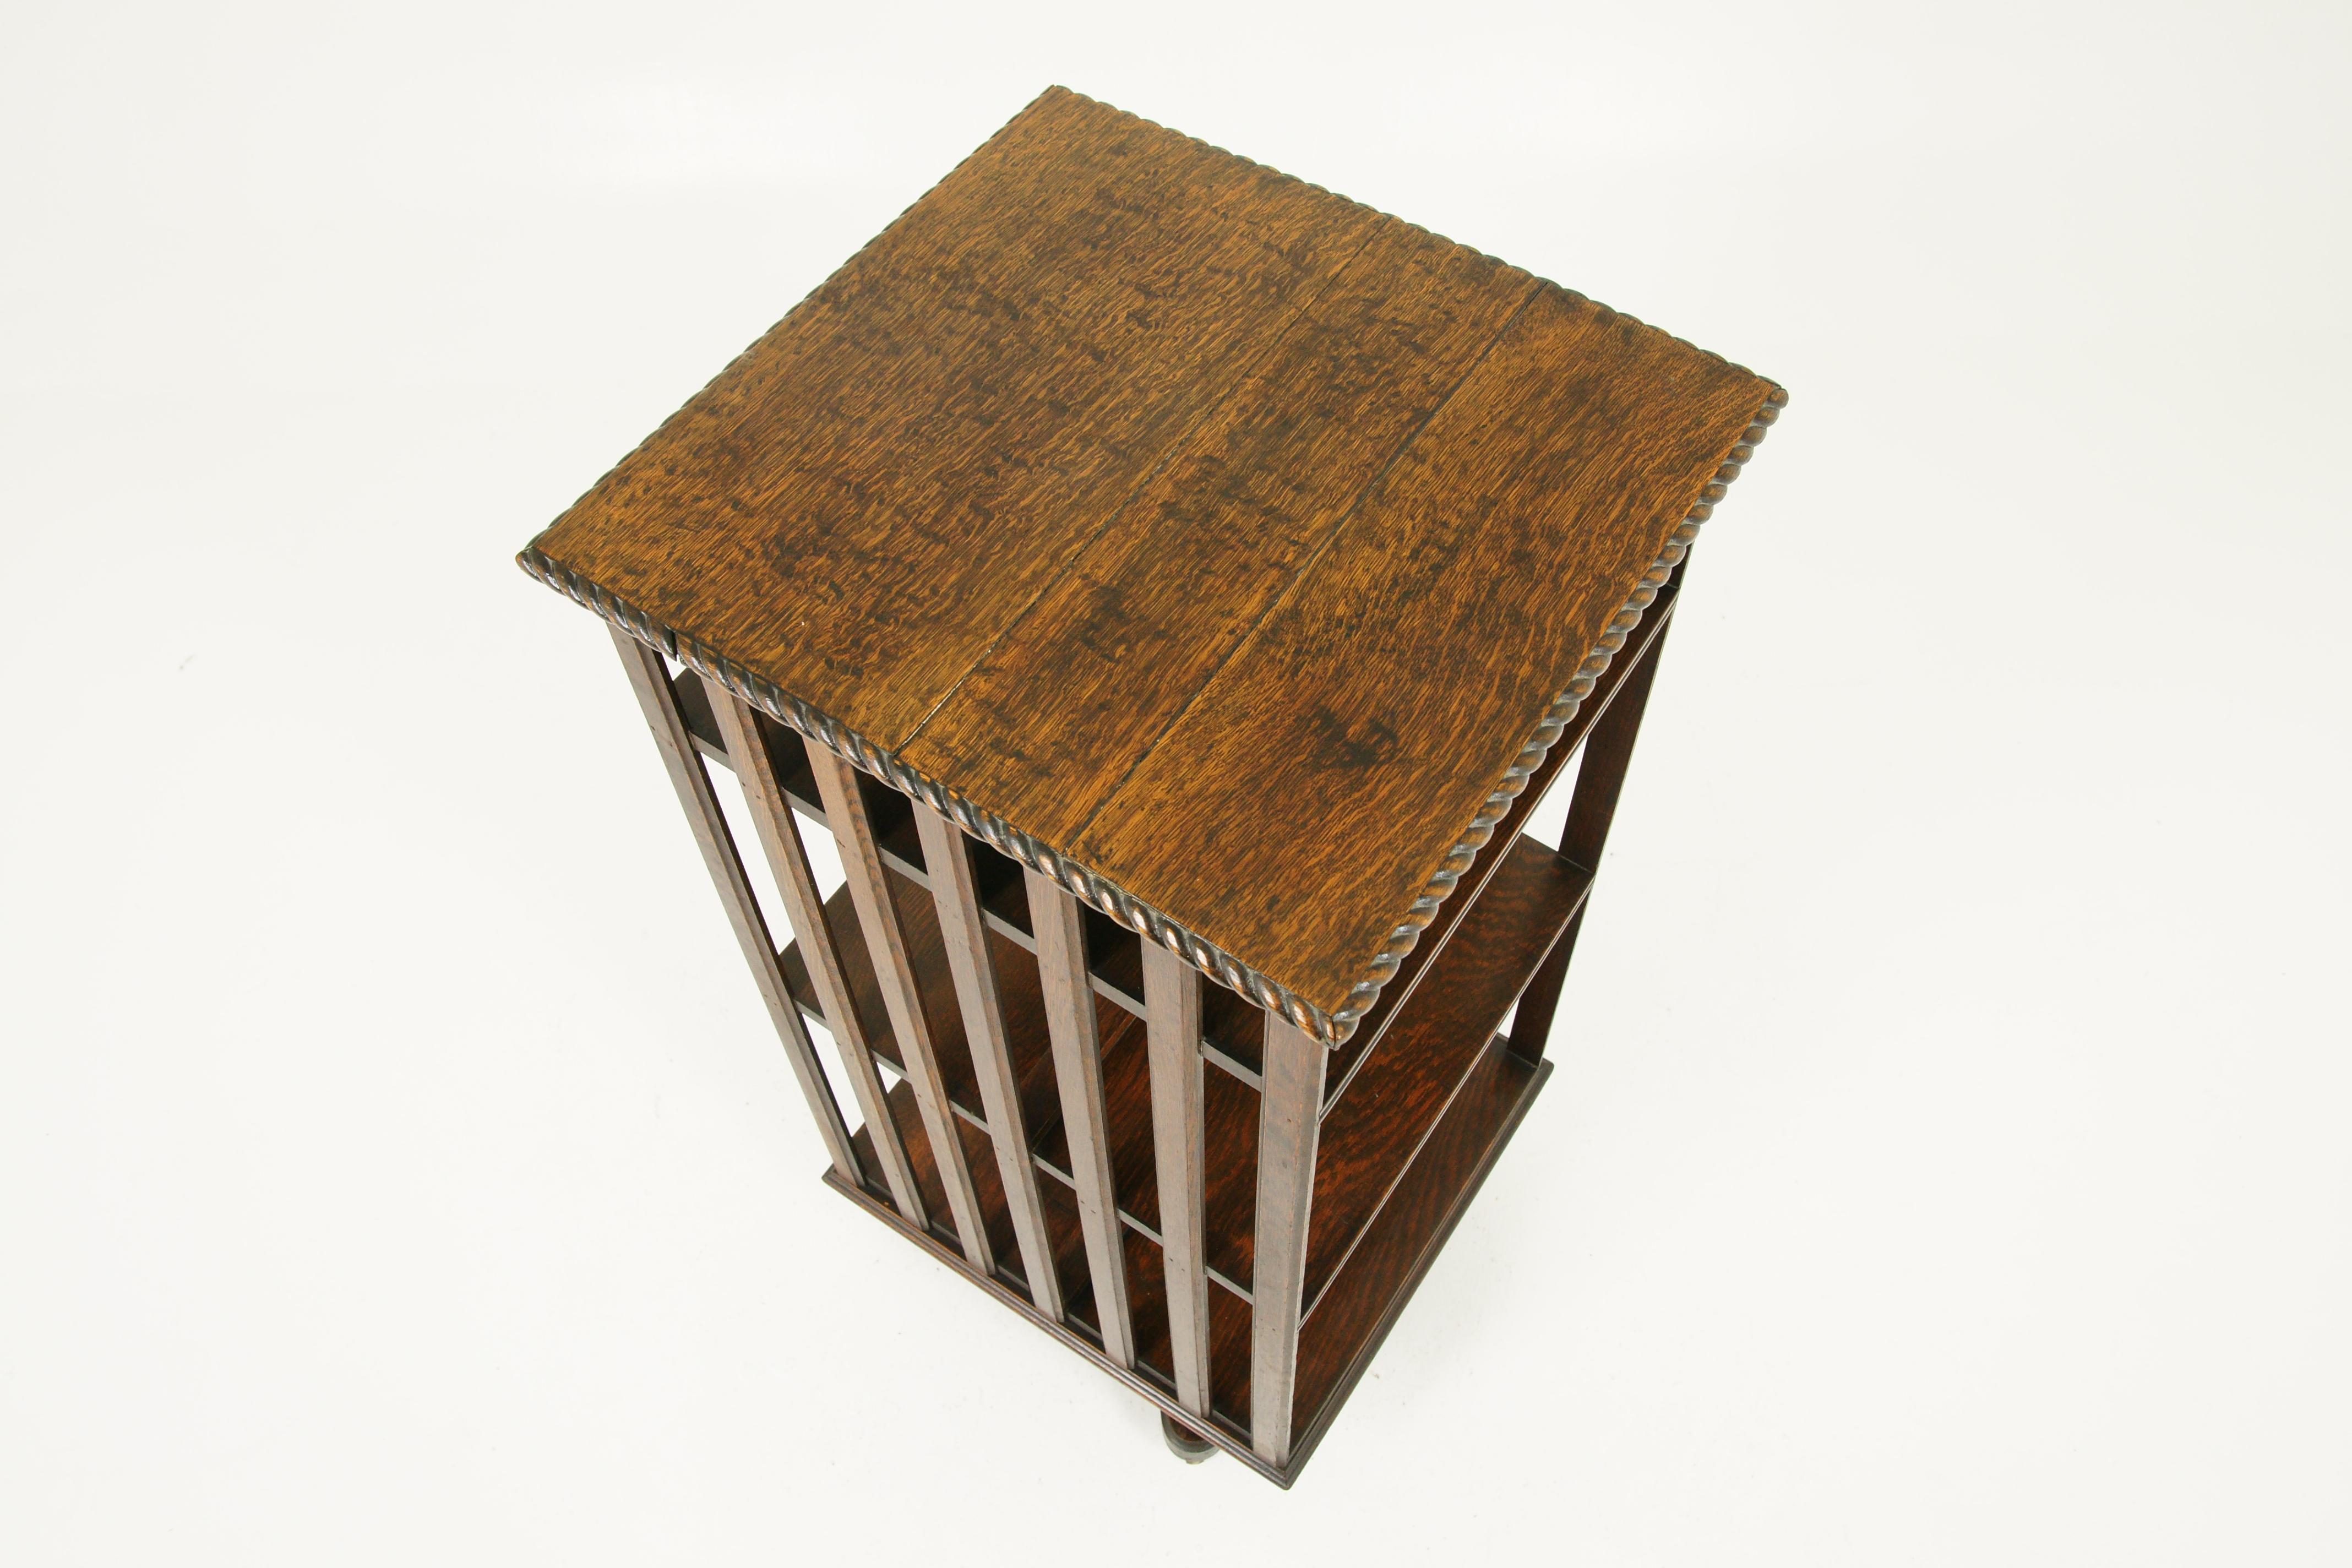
x,y
1417,1105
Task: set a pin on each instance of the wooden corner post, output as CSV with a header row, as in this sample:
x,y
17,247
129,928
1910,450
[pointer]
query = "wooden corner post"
x,y
1289,1121
649,678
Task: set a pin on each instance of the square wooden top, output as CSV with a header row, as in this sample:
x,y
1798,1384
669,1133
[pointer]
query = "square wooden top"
x,y
1215,544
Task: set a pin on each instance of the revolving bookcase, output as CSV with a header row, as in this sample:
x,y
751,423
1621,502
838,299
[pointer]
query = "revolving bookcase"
x,y
1172,587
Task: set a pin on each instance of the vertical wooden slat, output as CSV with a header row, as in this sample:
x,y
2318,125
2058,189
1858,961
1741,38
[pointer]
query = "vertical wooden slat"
x,y
1172,995
1287,1126
869,889
1077,1070
1600,779
965,931
649,678
780,836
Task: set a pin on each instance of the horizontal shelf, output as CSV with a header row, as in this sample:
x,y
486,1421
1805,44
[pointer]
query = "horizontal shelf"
x,y
1126,1067
1434,1048
1114,955
1354,1316
1232,1028
1229,1113
1399,1158
1019,993
1338,1342
1228,1316
1374,1027
1422,1098
1368,1140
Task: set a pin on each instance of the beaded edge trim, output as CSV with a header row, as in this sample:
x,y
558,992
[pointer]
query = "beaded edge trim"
x,y
1332,1028
1547,730
1095,889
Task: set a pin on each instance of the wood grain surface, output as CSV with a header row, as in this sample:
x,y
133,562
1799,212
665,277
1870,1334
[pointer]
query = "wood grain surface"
x,y
870,494
1053,720
1209,532
1338,1343
1374,1134
1364,720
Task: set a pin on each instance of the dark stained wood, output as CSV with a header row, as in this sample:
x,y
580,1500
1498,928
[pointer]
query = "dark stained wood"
x,y
1173,1037
1370,1137
1229,1134
788,860
1068,1237
906,1118
650,680
1540,1003
1348,1059
877,916
1399,680
1211,534
1229,1341
1050,722
987,1031
860,505
1127,1116
1591,810
1228,1429
1230,1114
1290,1112
1124,486
1113,954
1338,1341
1602,780
1367,1144
1017,989
1070,1019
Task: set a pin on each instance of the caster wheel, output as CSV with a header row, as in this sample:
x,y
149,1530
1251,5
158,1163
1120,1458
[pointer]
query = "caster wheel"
x,y
1184,1443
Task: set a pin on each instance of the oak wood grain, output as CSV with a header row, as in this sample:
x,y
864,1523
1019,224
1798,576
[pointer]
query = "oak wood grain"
x,y
877,905
913,1130
861,502
720,858
1349,1059
1338,1341
965,933
1048,724
1073,1022
1201,539
1373,1135
1017,992
1382,700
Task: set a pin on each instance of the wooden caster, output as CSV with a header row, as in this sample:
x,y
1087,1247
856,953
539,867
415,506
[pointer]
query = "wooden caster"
x,y
1184,1443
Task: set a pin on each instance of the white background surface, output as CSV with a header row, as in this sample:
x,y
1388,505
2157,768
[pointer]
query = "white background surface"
x,y
1948,1159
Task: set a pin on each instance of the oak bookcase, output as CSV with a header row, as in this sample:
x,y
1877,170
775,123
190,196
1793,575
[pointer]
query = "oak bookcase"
x,y
1173,587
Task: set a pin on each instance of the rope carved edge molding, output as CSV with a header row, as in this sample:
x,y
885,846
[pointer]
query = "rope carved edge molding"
x,y
1547,730
1332,1028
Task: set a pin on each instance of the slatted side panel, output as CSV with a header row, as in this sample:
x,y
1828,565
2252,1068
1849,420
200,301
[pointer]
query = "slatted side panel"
x,y
780,839
1077,1070
947,855
1608,752
877,916
649,678
970,1146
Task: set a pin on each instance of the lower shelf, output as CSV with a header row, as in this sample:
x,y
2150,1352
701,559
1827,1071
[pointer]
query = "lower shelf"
x,y
1337,1343
1370,1137
1355,1315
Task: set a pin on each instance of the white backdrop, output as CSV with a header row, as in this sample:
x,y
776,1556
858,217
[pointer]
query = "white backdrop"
x,y
1947,1162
